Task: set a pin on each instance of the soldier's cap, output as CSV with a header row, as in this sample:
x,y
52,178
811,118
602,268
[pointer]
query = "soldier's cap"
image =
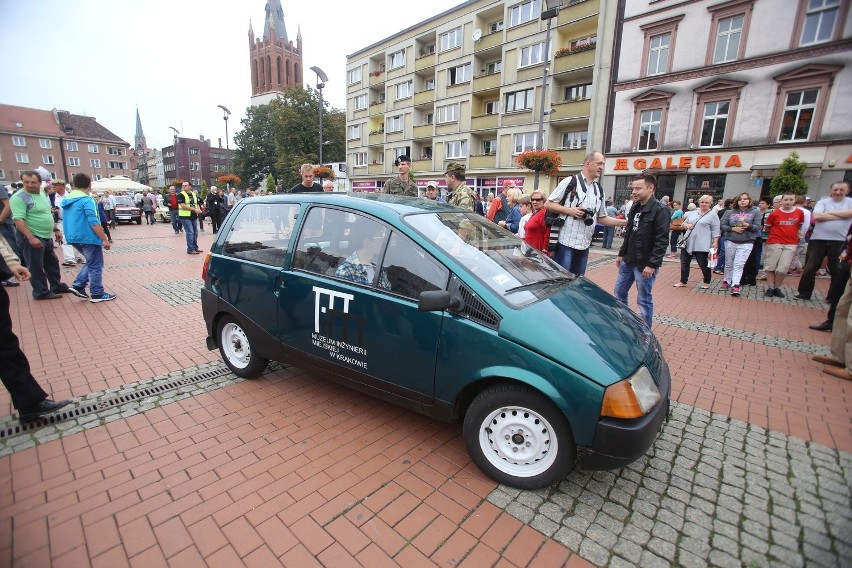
x,y
456,169
58,182
402,159
432,184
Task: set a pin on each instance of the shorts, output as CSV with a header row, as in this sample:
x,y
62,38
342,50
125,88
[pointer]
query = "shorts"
x,y
778,257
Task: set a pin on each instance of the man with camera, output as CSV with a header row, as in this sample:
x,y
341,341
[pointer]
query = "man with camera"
x,y
579,202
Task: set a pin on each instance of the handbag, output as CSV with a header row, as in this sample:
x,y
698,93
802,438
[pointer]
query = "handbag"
x,y
554,219
681,240
712,257
677,224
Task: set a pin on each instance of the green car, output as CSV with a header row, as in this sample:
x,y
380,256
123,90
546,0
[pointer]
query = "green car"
x,y
443,312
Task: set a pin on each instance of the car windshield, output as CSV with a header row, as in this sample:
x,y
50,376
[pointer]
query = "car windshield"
x,y
508,266
124,200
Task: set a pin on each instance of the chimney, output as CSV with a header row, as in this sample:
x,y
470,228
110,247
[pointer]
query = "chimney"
x,y
201,137
220,142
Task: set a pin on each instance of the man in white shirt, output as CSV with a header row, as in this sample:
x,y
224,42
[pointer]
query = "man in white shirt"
x,y
581,209
831,222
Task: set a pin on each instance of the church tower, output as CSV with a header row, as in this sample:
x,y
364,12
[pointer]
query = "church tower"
x,y
139,140
276,62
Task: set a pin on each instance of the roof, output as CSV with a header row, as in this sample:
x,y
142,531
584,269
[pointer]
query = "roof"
x,y
86,127
32,120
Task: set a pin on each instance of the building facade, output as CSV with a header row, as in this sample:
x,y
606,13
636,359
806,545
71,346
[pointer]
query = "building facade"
x,y
466,86
61,142
711,103
194,160
276,62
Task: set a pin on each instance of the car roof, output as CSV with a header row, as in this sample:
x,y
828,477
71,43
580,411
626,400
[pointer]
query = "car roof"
x,y
378,204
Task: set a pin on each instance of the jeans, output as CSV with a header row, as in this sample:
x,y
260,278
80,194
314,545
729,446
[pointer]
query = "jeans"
x,y
43,265
191,235
686,259
673,237
572,260
817,250
720,261
736,255
173,215
609,234
627,275
93,271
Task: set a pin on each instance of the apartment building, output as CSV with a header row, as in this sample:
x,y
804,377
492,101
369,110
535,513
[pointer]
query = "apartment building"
x,y
712,95
466,86
195,160
61,142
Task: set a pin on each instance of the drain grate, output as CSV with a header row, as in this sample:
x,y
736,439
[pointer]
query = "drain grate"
x,y
106,403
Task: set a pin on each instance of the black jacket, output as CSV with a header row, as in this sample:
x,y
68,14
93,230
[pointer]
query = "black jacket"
x,y
647,245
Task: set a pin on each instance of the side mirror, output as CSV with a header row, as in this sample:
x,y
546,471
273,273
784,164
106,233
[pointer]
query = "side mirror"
x,y
438,300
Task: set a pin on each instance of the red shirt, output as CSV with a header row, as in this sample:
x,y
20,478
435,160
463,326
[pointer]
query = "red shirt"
x,y
536,233
783,228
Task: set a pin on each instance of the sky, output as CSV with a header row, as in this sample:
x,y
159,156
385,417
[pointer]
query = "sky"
x,y
175,60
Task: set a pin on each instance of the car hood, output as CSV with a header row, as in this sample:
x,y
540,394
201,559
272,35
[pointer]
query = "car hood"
x,y
587,330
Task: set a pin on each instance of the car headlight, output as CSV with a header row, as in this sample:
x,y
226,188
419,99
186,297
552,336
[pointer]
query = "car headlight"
x,y
633,397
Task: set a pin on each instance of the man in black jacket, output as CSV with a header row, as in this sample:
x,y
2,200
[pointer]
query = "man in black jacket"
x,y
213,206
641,253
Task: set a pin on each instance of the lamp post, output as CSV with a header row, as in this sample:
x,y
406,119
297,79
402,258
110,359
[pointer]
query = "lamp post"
x,y
322,78
227,114
551,12
176,131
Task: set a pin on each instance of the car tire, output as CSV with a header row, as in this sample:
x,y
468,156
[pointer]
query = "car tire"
x,y
237,351
139,221
518,437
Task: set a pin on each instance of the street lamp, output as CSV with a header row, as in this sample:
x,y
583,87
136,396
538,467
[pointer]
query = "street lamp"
x,y
176,131
322,79
551,12
227,150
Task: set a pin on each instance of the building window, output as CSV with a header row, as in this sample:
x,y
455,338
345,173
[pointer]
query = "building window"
x,y
71,146
361,102
401,151
113,151
45,143
19,141
117,165
430,84
95,163
395,123
524,12
195,166
448,113
715,124
97,177
493,67
489,147
532,55
799,110
659,46
359,159
22,157
403,90
492,107
194,151
819,21
495,27
354,132
450,40
456,149
575,140
649,129
525,141
728,35
519,100
2,174
397,59
74,162
354,76
650,112
428,118
460,74
93,149
730,25
578,92
47,160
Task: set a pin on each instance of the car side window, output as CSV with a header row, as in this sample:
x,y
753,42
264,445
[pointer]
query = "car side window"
x,y
262,233
409,270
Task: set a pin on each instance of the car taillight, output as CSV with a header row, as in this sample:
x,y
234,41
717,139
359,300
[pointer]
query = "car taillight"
x,y
205,266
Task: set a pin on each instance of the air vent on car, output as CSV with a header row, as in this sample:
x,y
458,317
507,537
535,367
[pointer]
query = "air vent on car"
x,y
474,308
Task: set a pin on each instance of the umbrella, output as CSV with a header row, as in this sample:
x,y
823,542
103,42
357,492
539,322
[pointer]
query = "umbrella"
x,y
118,183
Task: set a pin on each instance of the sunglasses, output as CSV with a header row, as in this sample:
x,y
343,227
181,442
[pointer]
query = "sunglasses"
x,y
537,199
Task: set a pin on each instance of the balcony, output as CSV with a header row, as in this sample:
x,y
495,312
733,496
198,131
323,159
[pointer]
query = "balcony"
x,y
577,11
377,108
482,162
571,109
517,118
484,121
484,82
424,97
376,169
571,157
422,165
378,138
422,131
577,60
425,62
377,77
488,41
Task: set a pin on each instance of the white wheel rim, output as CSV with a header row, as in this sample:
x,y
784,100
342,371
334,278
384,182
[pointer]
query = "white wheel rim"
x,y
518,441
236,345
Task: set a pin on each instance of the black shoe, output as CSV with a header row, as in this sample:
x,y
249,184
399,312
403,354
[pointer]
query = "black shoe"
x,y
769,293
779,294
824,326
44,407
800,297
79,292
62,289
49,296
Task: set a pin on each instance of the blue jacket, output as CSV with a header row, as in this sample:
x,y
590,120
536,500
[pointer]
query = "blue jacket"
x,y
513,219
79,215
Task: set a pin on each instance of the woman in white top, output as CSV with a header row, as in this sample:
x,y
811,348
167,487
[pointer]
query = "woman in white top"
x,y
702,233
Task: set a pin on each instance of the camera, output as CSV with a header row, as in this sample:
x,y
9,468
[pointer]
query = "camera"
x,y
17,185
588,216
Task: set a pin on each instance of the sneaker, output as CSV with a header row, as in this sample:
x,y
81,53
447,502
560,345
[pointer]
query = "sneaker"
x,y
735,290
770,292
105,297
79,292
724,285
800,297
69,264
779,294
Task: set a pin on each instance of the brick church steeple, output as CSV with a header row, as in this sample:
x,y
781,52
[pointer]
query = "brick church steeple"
x,y
276,62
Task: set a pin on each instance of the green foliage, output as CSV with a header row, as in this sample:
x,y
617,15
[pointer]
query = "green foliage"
x,y
203,189
278,137
270,184
790,177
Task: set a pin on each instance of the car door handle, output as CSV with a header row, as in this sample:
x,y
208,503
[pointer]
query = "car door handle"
x,y
280,284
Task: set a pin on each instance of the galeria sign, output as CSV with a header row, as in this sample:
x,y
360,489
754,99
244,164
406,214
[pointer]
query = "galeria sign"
x,y
679,162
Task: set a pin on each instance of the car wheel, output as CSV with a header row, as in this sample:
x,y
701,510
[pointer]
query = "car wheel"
x,y
518,437
139,221
237,351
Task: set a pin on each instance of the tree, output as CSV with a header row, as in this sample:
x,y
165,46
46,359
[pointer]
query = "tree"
x,y
790,177
277,138
270,184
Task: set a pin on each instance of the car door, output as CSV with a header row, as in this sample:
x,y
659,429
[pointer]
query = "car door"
x,y
349,304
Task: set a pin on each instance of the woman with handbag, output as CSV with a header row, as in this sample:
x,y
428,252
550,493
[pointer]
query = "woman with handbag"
x,y
702,233
676,227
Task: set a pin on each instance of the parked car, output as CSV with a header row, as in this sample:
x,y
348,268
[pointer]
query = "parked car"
x,y
126,210
162,214
441,311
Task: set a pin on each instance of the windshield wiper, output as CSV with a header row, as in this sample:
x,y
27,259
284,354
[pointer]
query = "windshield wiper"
x,y
545,282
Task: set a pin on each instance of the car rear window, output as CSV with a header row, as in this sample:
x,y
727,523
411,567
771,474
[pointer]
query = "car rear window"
x,y
262,232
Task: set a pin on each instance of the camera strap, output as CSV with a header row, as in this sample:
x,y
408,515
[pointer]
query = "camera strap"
x,y
575,197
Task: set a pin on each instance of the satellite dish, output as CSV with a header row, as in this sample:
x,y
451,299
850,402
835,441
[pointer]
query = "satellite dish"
x,y
477,33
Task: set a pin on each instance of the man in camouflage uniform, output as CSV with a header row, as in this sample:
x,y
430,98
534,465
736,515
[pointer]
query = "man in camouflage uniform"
x,y
401,184
461,195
